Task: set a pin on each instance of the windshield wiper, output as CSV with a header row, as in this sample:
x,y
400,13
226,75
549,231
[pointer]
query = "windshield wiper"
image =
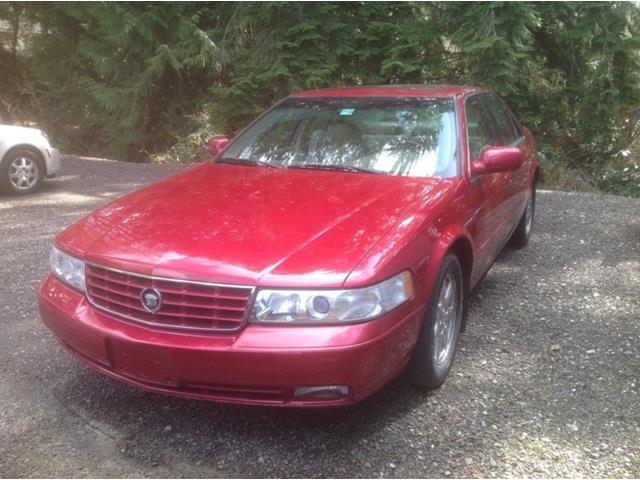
x,y
341,168
247,161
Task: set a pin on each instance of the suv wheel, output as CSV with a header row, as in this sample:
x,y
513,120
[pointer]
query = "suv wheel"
x,y
21,172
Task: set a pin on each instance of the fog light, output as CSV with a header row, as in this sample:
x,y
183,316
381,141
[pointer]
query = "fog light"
x,y
323,391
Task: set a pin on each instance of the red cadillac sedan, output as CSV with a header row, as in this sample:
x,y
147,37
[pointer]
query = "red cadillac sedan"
x,y
327,248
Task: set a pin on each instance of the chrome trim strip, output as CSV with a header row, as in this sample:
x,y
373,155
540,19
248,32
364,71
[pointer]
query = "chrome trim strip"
x,y
168,279
175,280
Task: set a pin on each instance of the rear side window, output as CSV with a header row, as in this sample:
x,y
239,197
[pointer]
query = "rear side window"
x,y
503,119
479,127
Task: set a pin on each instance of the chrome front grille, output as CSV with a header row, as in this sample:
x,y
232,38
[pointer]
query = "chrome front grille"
x,y
184,304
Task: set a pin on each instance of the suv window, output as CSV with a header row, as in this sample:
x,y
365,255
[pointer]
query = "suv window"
x,y
502,117
479,126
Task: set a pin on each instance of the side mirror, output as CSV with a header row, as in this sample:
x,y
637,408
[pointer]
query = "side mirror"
x,y
217,144
497,159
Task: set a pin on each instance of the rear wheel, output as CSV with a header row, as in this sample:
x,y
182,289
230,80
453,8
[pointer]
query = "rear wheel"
x,y
436,347
21,172
522,234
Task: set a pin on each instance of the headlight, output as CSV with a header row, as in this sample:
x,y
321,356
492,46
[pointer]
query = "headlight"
x,y
331,306
46,137
67,268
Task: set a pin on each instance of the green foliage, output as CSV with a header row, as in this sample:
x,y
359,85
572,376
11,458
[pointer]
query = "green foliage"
x,y
622,176
133,79
191,147
495,40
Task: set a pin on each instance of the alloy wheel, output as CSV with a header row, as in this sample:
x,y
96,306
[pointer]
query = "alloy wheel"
x,y
23,173
528,215
446,325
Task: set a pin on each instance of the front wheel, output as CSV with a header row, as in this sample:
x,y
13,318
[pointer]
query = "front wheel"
x,y
522,234
21,172
436,347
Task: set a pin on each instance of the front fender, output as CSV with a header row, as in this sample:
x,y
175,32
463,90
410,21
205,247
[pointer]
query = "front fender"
x,y
19,137
453,238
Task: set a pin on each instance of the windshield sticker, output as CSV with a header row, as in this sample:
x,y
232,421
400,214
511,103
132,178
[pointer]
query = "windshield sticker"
x,y
347,112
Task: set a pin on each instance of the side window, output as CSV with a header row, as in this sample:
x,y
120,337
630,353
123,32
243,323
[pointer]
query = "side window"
x,y
514,121
502,117
479,127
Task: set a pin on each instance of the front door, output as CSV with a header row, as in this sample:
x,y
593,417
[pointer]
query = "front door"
x,y
516,181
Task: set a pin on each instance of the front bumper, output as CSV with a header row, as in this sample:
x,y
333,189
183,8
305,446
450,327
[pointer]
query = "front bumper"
x,y
52,160
258,365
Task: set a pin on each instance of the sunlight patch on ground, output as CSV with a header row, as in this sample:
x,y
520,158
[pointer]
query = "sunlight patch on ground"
x,y
544,457
65,198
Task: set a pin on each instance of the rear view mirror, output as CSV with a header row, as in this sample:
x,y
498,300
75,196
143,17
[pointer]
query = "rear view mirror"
x,y
217,144
498,159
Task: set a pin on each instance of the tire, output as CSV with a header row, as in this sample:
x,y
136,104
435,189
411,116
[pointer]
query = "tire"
x,y
21,172
522,234
430,365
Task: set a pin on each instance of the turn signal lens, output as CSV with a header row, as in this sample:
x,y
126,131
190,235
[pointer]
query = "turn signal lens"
x,y
321,392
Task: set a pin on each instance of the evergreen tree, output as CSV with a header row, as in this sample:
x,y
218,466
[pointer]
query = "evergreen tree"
x,y
131,79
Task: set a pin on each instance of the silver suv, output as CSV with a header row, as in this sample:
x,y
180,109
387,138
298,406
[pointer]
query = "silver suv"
x,y
26,158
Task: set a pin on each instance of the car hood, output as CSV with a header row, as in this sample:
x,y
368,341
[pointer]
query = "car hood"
x,y
249,225
16,129
11,135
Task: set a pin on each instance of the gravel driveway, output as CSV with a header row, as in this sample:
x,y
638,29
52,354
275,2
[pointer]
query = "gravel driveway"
x,y
547,381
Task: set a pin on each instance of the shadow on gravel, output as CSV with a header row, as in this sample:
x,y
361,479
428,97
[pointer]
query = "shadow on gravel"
x,y
545,381
531,389
117,403
241,441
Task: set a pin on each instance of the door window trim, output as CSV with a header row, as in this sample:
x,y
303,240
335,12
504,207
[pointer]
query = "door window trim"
x,y
512,119
470,158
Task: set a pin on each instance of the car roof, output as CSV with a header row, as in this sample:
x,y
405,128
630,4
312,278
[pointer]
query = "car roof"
x,y
393,91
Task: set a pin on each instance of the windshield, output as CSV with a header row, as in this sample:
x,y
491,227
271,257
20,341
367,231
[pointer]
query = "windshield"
x,y
398,136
